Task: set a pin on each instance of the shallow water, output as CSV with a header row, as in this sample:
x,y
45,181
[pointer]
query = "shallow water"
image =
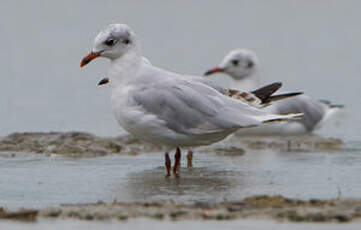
x,y
37,181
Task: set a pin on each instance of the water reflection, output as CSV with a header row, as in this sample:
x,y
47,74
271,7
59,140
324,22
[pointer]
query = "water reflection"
x,y
198,184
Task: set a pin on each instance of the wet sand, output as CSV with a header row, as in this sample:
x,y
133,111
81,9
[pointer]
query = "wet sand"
x,y
266,207
260,207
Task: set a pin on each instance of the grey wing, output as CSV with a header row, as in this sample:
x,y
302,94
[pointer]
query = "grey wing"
x,y
191,108
313,110
205,81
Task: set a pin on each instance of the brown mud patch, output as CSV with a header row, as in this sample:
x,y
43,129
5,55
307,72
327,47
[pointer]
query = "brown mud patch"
x,y
22,214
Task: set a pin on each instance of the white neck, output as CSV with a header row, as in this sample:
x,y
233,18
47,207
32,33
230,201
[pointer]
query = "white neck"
x,y
249,83
123,69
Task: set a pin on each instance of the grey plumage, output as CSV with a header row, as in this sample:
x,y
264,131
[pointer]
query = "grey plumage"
x,y
191,108
313,110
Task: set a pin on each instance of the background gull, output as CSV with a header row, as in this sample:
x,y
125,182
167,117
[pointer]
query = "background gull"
x,y
166,108
243,66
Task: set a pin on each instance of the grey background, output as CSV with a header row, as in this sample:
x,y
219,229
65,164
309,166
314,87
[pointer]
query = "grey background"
x,y
309,45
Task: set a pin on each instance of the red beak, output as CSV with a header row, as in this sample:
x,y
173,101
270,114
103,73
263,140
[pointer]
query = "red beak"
x,y
89,57
214,70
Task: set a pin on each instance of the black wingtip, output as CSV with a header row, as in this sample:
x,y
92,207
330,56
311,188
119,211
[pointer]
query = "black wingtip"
x,y
266,92
283,96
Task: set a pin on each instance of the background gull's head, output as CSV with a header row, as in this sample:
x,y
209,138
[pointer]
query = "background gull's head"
x,y
239,64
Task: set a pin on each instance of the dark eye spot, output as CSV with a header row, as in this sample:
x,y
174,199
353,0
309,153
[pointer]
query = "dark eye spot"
x,y
126,41
250,64
235,62
110,42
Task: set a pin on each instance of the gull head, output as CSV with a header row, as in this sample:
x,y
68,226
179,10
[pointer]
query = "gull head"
x,y
239,64
112,43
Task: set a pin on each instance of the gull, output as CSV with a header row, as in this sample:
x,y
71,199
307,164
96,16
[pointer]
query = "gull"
x,y
166,108
243,66
259,98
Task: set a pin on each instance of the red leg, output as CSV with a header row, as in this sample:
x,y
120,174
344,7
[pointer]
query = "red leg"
x,y
189,159
177,162
167,164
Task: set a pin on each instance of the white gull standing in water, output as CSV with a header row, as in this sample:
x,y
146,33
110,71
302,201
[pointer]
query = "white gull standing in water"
x,y
166,108
243,66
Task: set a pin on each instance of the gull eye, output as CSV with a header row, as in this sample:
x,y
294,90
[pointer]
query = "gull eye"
x,y
126,41
235,62
250,64
110,42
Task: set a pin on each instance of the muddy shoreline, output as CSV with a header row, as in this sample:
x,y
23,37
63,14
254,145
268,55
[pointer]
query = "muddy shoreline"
x,y
74,144
78,144
259,207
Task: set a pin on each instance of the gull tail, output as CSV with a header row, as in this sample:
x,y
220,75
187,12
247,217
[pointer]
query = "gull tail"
x,y
332,106
280,118
331,111
265,94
